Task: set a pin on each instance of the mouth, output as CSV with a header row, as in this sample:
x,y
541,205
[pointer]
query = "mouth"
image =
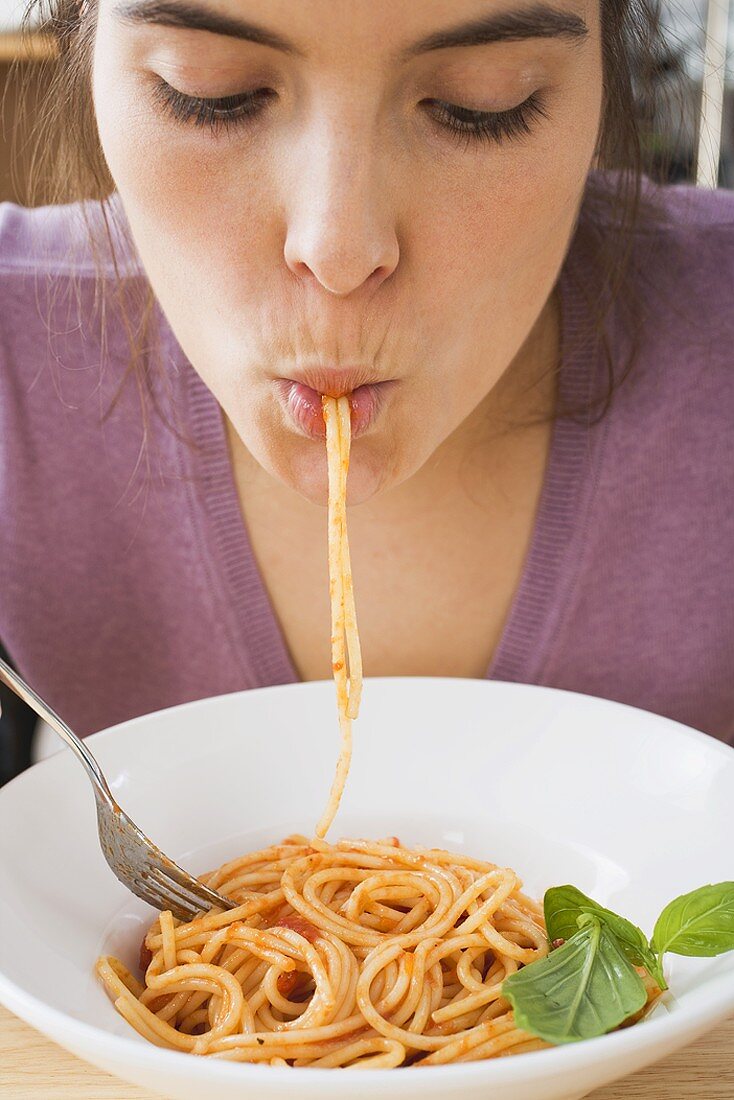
x,y
301,399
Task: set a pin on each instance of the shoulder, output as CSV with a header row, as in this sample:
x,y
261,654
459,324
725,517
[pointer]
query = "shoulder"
x,y
59,321
667,275
57,264
684,248
41,238
667,337
670,348
76,239
663,208
682,272
679,251
684,209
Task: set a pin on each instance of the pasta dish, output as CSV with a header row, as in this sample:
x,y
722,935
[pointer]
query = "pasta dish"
x,y
356,953
363,953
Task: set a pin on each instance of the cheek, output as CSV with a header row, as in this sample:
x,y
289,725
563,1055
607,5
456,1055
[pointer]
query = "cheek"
x,y
497,225
198,209
517,215
488,243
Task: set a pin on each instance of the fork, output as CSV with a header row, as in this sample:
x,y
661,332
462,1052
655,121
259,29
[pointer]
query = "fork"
x,y
138,863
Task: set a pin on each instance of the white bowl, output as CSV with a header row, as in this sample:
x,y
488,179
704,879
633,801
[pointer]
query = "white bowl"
x,y
631,808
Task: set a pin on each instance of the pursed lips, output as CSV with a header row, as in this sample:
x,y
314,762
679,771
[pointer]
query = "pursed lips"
x,y
301,398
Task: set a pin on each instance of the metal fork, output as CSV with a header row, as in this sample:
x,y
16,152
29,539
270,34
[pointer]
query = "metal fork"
x,y
138,863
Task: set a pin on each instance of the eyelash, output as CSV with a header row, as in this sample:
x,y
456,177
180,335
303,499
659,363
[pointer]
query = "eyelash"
x,y
217,114
462,123
488,126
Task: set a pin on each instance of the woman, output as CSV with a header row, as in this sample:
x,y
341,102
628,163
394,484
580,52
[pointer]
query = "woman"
x,y
433,208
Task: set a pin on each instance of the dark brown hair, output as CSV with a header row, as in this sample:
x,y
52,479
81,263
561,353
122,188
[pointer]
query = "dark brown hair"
x,y
68,163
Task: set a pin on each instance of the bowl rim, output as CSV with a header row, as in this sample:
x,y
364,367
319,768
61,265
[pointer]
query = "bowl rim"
x,y
100,737
556,1061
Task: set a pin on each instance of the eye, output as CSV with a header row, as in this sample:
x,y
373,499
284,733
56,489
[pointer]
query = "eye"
x,y
496,126
218,113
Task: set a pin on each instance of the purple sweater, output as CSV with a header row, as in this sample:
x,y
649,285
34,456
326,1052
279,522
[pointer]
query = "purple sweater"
x,y
128,585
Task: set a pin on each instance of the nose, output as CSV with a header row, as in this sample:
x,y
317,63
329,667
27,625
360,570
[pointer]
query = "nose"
x,y
340,229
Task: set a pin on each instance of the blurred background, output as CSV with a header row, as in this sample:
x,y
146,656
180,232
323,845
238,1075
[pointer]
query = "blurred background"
x,y
678,148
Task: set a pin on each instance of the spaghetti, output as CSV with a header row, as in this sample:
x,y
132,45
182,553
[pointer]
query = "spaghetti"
x,y
358,953
346,656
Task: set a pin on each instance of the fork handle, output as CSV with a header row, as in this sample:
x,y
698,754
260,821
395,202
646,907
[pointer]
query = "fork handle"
x,y
23,690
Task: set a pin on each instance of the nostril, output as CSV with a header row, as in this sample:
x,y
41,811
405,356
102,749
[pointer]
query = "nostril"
x,y
341,263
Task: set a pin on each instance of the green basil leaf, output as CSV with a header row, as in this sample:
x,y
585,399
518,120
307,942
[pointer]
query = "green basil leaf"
x,y
564,905
700,923
583,989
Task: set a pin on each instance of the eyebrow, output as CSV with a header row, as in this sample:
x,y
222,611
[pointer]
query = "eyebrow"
x,y
170,13
539,21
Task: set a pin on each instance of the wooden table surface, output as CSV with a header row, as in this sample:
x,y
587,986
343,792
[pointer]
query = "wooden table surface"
x,y
33,1068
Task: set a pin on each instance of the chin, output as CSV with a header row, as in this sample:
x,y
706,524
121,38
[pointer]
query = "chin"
x,y
379,459
370,471
301,465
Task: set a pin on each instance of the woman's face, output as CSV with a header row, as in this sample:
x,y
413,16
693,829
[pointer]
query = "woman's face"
x,y
349,195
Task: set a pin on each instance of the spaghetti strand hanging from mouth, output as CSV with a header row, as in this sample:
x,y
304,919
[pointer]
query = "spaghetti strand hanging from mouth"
x,y
346,656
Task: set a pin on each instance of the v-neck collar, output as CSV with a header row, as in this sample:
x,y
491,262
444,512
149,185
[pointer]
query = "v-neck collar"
x,y
556,543
556,546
